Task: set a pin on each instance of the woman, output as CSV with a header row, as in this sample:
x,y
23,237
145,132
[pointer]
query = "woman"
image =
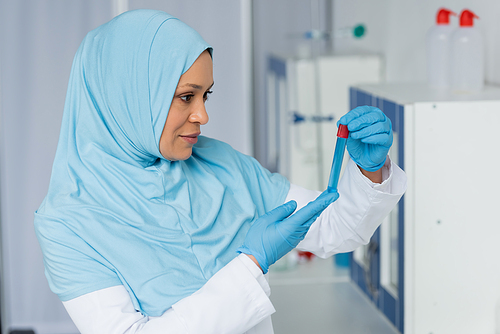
x,y
149,227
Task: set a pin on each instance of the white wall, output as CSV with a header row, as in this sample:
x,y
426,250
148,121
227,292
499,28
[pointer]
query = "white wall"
x,y
397,30
39,40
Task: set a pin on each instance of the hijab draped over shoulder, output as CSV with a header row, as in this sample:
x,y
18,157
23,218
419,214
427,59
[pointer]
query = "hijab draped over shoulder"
x,y
117,212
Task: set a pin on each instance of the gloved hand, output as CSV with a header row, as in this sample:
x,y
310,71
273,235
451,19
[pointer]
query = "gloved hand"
x,y
370,136
276,233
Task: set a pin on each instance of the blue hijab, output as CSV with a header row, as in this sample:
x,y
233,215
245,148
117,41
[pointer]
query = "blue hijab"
x,y
117,212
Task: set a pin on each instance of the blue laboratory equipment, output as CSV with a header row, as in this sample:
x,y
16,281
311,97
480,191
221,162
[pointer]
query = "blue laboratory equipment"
x,y
338,157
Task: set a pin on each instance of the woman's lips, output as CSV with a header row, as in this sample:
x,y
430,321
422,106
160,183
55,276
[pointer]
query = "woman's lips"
x,y
191,139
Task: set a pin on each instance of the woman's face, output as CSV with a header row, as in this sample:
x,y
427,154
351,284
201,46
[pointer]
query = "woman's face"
x,y
187,111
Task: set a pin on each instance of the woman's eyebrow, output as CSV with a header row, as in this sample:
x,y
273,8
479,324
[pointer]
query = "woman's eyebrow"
x,y
195,86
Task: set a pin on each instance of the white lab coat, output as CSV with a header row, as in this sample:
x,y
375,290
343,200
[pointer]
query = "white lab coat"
x,y
236,299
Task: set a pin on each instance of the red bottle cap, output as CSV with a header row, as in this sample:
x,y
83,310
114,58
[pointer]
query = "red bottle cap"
x,y
443,16
343,132
467,18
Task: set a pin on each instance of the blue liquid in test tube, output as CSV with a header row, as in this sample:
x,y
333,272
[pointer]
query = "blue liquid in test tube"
x,y
338,157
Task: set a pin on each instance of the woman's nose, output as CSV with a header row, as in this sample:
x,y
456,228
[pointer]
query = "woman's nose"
x,y
199,115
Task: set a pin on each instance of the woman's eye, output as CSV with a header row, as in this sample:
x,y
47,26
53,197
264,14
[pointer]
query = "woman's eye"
x,y
205,96
186,98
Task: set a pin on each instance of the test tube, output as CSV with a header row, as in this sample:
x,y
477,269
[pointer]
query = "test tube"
x,y
338,157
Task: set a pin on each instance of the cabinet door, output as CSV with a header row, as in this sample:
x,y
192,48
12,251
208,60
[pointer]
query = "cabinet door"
x,y
455,223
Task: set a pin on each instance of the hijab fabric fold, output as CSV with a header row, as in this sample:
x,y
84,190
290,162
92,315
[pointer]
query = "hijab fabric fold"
x,y
117,212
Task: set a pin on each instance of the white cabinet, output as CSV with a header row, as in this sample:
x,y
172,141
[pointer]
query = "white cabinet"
x,y
444,275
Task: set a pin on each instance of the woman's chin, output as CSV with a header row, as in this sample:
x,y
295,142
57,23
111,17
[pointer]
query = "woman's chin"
x,y
182,155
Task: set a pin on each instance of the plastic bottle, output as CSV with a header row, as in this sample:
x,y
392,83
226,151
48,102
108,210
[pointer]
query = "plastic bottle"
x,y
467,67
438,46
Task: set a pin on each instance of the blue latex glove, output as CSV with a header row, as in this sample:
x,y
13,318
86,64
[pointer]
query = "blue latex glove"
x,y
370,136
276,233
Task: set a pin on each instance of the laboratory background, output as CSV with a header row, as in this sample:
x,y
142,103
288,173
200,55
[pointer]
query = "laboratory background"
x,y
284,72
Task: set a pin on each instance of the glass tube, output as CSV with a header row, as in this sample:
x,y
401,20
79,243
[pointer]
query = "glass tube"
x,y
338,157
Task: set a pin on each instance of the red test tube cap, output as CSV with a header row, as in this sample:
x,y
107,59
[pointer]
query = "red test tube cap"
x,y
343,132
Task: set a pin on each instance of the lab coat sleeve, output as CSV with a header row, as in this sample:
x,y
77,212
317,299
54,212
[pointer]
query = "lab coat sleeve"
x,y
350,221
234,300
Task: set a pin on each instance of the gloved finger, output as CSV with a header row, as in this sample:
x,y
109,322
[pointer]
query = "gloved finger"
x,y
355,113
368,120
333,196
296,229
315,207
382,139
292,234
281,212
374,129
301,231
310,212
328,196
